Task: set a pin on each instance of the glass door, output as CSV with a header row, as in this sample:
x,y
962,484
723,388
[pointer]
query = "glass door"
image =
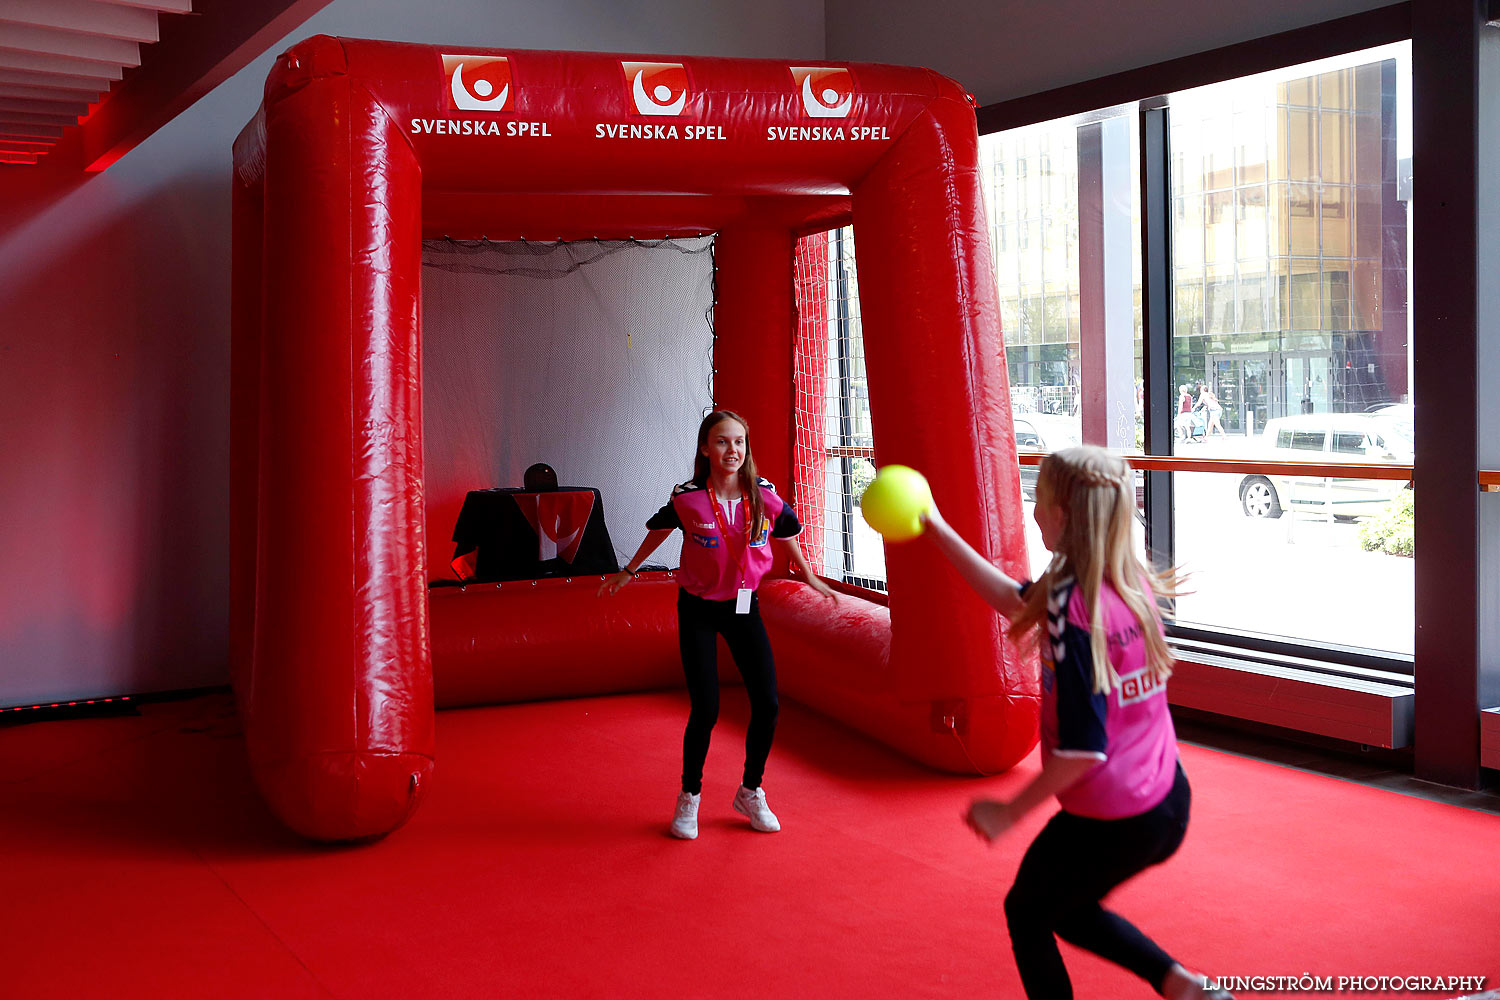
x,y
1226,376
1244,386
1307,383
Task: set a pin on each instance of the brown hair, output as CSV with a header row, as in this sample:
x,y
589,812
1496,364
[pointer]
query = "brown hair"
x,y
1096,491
755,505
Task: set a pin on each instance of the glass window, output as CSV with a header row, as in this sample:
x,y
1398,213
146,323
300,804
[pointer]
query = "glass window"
x,y
1084,207
1299,129
1290,336
1308,440
1291,339
1350,442
1333,241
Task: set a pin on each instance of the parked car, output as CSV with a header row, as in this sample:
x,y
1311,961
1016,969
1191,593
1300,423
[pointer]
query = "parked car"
x,y
1327,437
1043,432
1047,432
1401,417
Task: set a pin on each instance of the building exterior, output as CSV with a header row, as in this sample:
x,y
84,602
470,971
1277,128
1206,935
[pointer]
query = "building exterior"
x,y
1288,246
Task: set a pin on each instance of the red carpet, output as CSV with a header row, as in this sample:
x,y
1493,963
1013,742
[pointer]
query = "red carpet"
x,y
142,865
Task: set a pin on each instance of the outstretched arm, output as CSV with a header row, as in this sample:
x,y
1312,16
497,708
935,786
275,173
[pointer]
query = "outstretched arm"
x,y
998,590
653,541
799,563
991,817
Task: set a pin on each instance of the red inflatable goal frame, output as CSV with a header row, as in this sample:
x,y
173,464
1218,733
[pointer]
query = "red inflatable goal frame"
x,y
363,148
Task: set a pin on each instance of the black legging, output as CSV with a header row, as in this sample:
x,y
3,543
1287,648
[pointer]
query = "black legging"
x,y
698,622
1073,864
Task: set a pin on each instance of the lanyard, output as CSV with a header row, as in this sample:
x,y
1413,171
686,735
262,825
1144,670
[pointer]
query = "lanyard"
x,y
713,501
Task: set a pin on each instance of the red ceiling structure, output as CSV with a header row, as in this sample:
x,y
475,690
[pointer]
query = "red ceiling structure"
x,y
82,82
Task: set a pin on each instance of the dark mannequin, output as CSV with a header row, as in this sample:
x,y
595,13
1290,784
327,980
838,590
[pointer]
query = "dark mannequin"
x,y
540,478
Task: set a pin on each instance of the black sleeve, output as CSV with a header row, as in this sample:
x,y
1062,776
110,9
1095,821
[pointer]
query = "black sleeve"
x,y
787,525
1080,711
664,518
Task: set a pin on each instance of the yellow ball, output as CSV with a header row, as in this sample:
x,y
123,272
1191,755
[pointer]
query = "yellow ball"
x,y
893,503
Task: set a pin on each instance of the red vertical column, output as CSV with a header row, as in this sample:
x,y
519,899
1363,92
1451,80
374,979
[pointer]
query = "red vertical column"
x,y
755,320
940,402
339,705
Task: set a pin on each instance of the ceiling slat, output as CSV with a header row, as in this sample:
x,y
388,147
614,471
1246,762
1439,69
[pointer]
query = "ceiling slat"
x,y
51,81
130,24
37,62
27,158
46,94
34,118
17,130
75,109
165,6
71,45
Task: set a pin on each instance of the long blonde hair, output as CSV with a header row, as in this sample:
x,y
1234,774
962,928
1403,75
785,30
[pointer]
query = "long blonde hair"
x,y
1095,490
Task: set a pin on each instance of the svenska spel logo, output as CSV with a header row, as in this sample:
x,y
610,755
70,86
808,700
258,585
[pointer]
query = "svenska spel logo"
x,y
827,91
657,88
478,83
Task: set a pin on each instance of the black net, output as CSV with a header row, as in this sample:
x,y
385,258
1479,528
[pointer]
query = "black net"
x,y
595,357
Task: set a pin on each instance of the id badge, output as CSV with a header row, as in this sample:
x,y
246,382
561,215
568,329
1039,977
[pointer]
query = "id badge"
x,y
742,602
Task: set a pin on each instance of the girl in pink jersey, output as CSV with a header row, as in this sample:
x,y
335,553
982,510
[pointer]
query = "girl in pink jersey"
x,y
1109,752
727,515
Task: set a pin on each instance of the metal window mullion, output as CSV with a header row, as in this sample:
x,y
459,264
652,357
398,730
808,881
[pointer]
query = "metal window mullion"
x,y
846,429
1156,326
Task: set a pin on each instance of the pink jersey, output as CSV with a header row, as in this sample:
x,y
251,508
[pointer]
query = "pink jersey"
x,y
713,567
1128,730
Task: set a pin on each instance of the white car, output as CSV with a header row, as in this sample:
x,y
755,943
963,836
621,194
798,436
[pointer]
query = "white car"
x,y
1327,437
1043,432
1050,432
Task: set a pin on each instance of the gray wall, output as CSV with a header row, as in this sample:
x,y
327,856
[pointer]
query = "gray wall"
x,y
1001,51
114,351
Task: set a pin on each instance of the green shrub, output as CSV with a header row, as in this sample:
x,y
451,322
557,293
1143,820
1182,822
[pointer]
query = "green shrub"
x,y
864,475
1391,530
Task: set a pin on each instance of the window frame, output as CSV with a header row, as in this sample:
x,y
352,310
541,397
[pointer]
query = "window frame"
x,y
1147,89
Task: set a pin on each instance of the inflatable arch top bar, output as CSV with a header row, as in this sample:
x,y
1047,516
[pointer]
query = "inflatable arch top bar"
x,y
362,148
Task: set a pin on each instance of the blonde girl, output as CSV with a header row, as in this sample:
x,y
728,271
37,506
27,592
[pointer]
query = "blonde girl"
x,y
1109,752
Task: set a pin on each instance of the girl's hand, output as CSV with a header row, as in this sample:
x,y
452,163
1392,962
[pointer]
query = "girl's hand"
x,y
988,818
801,571
612,585
816,583
930,517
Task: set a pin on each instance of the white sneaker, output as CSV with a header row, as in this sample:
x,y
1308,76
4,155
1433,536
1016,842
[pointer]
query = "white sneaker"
x,y
685,823
752,803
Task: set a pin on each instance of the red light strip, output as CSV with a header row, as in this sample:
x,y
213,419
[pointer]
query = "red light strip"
x,y
58,704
